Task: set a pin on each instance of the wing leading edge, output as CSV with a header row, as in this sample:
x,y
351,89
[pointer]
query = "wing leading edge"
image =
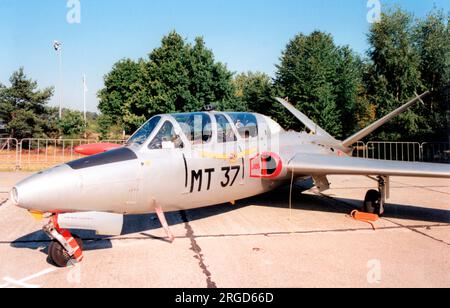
x,y
312,164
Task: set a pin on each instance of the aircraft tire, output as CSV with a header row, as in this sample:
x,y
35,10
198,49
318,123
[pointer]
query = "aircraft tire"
x,y
58,255
372,202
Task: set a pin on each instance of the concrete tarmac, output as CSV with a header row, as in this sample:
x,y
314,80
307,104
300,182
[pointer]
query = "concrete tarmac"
x,y
259,242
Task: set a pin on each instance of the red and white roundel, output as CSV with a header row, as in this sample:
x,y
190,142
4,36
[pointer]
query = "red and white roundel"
x,y
266,165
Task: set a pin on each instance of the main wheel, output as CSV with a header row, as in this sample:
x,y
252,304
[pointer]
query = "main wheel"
x,y
372,202
58,255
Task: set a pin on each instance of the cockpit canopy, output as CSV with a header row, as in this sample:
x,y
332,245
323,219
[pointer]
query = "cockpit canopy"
x,y
143,133
178,130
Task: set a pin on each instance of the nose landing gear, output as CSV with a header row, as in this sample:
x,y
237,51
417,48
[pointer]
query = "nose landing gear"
x,y
375,199
66,249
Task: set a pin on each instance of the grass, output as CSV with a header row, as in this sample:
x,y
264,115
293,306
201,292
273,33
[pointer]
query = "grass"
x,y
29,168
7,169
34,161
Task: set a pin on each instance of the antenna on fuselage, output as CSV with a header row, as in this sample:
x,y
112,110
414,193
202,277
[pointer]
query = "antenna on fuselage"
x,y
209,107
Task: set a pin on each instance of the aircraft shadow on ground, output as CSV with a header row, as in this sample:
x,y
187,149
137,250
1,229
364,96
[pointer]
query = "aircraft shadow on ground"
x,y
141,225
322,203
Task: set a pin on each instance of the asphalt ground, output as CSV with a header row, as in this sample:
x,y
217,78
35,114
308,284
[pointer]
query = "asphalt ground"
x,y
259,242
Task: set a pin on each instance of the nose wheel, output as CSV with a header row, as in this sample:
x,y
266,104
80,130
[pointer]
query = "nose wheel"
x,y
66,249
59,256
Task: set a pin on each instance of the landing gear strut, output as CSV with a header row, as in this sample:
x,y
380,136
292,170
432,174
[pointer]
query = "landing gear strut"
x,y
375,199
66,249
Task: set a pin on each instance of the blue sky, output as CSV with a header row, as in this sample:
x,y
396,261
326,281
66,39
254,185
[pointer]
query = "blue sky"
x,y
244,34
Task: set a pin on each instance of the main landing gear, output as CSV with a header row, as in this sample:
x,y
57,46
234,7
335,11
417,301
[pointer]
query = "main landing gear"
x,y
66,249
375,199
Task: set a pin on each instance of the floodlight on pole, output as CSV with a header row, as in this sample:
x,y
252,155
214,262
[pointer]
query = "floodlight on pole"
x,y
58,48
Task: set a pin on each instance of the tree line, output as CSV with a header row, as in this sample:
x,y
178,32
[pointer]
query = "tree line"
x,y
337,88
24,108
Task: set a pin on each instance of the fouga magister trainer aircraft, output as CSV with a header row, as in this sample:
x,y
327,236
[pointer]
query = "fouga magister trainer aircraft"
x,y
185,161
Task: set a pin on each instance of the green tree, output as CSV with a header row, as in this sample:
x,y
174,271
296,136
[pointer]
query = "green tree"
x,y
211,81
26,124
321,79
6,106
23,107
72,123
124,98
255,92
51,122
185,77
394,76
365,111
168,76
177,77
432,38
105,122
350,91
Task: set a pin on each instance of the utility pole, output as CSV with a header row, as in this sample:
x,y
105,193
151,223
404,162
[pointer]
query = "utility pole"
x,y
85,89
58,48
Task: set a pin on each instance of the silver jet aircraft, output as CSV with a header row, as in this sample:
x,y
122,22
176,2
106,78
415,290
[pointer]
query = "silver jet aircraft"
x,y
185,161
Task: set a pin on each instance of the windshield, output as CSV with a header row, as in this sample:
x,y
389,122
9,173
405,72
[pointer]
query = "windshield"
x,y
196,127
168,136
144,132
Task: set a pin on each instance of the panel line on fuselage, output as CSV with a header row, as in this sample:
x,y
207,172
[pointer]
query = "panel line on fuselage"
x,y
186,177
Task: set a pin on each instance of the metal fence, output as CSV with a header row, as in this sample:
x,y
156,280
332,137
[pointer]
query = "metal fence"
x,y
9,153
35,154
360,150
404,151
41,153
398,151
436,152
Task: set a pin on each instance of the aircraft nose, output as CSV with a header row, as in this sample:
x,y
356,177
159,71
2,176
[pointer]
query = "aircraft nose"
x,y
42,191
20,194
14,197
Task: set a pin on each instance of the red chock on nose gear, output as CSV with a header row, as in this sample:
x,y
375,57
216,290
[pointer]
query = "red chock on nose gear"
x,y
365,217
78,253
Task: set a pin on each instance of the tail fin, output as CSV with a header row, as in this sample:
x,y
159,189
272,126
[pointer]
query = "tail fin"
x,y
371,128
307,122
344,145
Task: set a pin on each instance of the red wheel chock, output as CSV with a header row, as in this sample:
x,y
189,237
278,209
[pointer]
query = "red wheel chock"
x,y
365,217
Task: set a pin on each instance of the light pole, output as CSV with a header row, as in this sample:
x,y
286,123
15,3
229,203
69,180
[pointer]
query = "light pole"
x,y
85,89
58,48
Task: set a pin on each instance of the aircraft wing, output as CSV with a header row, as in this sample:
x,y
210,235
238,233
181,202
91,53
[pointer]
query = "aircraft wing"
x,y
312,164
